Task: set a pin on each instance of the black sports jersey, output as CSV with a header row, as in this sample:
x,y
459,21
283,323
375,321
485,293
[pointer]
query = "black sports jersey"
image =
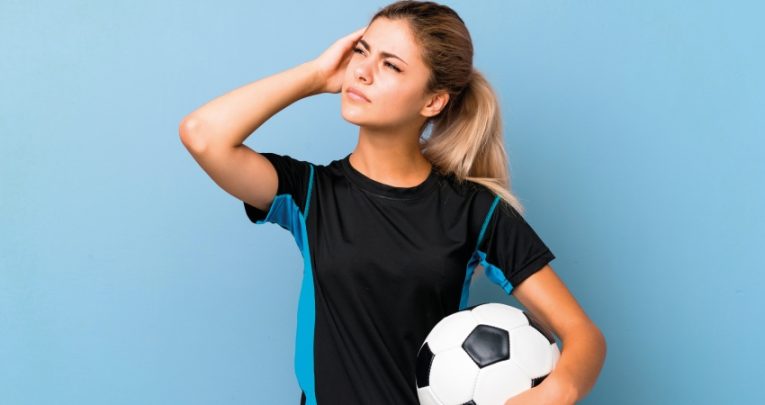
x,y
384,264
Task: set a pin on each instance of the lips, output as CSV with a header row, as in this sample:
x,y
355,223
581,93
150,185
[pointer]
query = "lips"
x,y
353,90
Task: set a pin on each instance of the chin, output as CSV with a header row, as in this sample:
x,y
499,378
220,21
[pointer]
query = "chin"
x,y
361,117
355,121
353,115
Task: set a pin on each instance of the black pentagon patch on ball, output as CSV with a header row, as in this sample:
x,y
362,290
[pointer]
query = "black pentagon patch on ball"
x,y
538,326
487,345
538,380
471,402
424,361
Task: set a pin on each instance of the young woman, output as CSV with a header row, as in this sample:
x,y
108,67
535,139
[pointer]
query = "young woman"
x,y
391,233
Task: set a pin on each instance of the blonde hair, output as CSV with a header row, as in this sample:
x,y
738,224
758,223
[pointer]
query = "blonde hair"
x,y
466,137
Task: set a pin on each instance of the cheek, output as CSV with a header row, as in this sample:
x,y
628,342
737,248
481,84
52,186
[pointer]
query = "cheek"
x,y
402,104
400,98
348,77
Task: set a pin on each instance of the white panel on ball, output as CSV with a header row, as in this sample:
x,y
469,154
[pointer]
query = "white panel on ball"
x,y
555,354
498,382
531,351
451,331
453,376
499,315
425,394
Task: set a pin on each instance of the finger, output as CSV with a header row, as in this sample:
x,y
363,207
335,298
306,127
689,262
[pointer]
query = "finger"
x,y
357,33
350,40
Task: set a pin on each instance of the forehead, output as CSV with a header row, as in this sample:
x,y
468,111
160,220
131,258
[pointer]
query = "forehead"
x,y
394,36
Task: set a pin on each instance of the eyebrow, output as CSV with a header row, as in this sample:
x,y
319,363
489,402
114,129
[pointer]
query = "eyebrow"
x,y
384,54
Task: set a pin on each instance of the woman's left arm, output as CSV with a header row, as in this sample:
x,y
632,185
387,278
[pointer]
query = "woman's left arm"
x,y
584,346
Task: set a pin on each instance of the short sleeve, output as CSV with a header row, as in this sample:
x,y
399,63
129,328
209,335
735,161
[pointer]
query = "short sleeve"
x,y
290,205
509,249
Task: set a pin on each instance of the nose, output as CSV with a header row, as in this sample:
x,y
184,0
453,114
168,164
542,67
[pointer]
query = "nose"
x,y
362,72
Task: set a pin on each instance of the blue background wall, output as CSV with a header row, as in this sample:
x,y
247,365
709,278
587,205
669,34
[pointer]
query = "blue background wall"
x,y
635,133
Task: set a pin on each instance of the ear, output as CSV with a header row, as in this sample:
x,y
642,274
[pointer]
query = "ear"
x,y
435,103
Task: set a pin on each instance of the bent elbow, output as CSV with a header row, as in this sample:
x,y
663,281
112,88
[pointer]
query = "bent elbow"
x,y
191,136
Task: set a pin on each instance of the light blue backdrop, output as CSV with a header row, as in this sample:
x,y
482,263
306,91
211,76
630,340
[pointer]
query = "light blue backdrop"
x,y
635,132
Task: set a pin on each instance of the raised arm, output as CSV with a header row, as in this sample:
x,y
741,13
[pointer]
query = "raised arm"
x,y
215,132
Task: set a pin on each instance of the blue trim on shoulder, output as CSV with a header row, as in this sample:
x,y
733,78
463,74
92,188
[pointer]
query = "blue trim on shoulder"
x,y
472,263
308,193
494,273
486,221
477,258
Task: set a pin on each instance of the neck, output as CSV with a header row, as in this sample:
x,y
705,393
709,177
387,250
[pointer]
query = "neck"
x,y
390,158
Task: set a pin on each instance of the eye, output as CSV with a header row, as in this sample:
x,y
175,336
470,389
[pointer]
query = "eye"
x,y
392,66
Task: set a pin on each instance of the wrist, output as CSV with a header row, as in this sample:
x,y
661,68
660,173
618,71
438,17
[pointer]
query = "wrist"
x,y
315,83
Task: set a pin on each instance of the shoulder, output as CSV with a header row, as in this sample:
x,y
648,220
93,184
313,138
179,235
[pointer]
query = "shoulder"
x,y
475,194
469,200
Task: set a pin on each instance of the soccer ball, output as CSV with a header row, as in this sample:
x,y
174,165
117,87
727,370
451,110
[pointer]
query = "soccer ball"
x,y
483,355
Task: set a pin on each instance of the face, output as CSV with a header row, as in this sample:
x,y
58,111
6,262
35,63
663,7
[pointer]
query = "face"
x,y
387,68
